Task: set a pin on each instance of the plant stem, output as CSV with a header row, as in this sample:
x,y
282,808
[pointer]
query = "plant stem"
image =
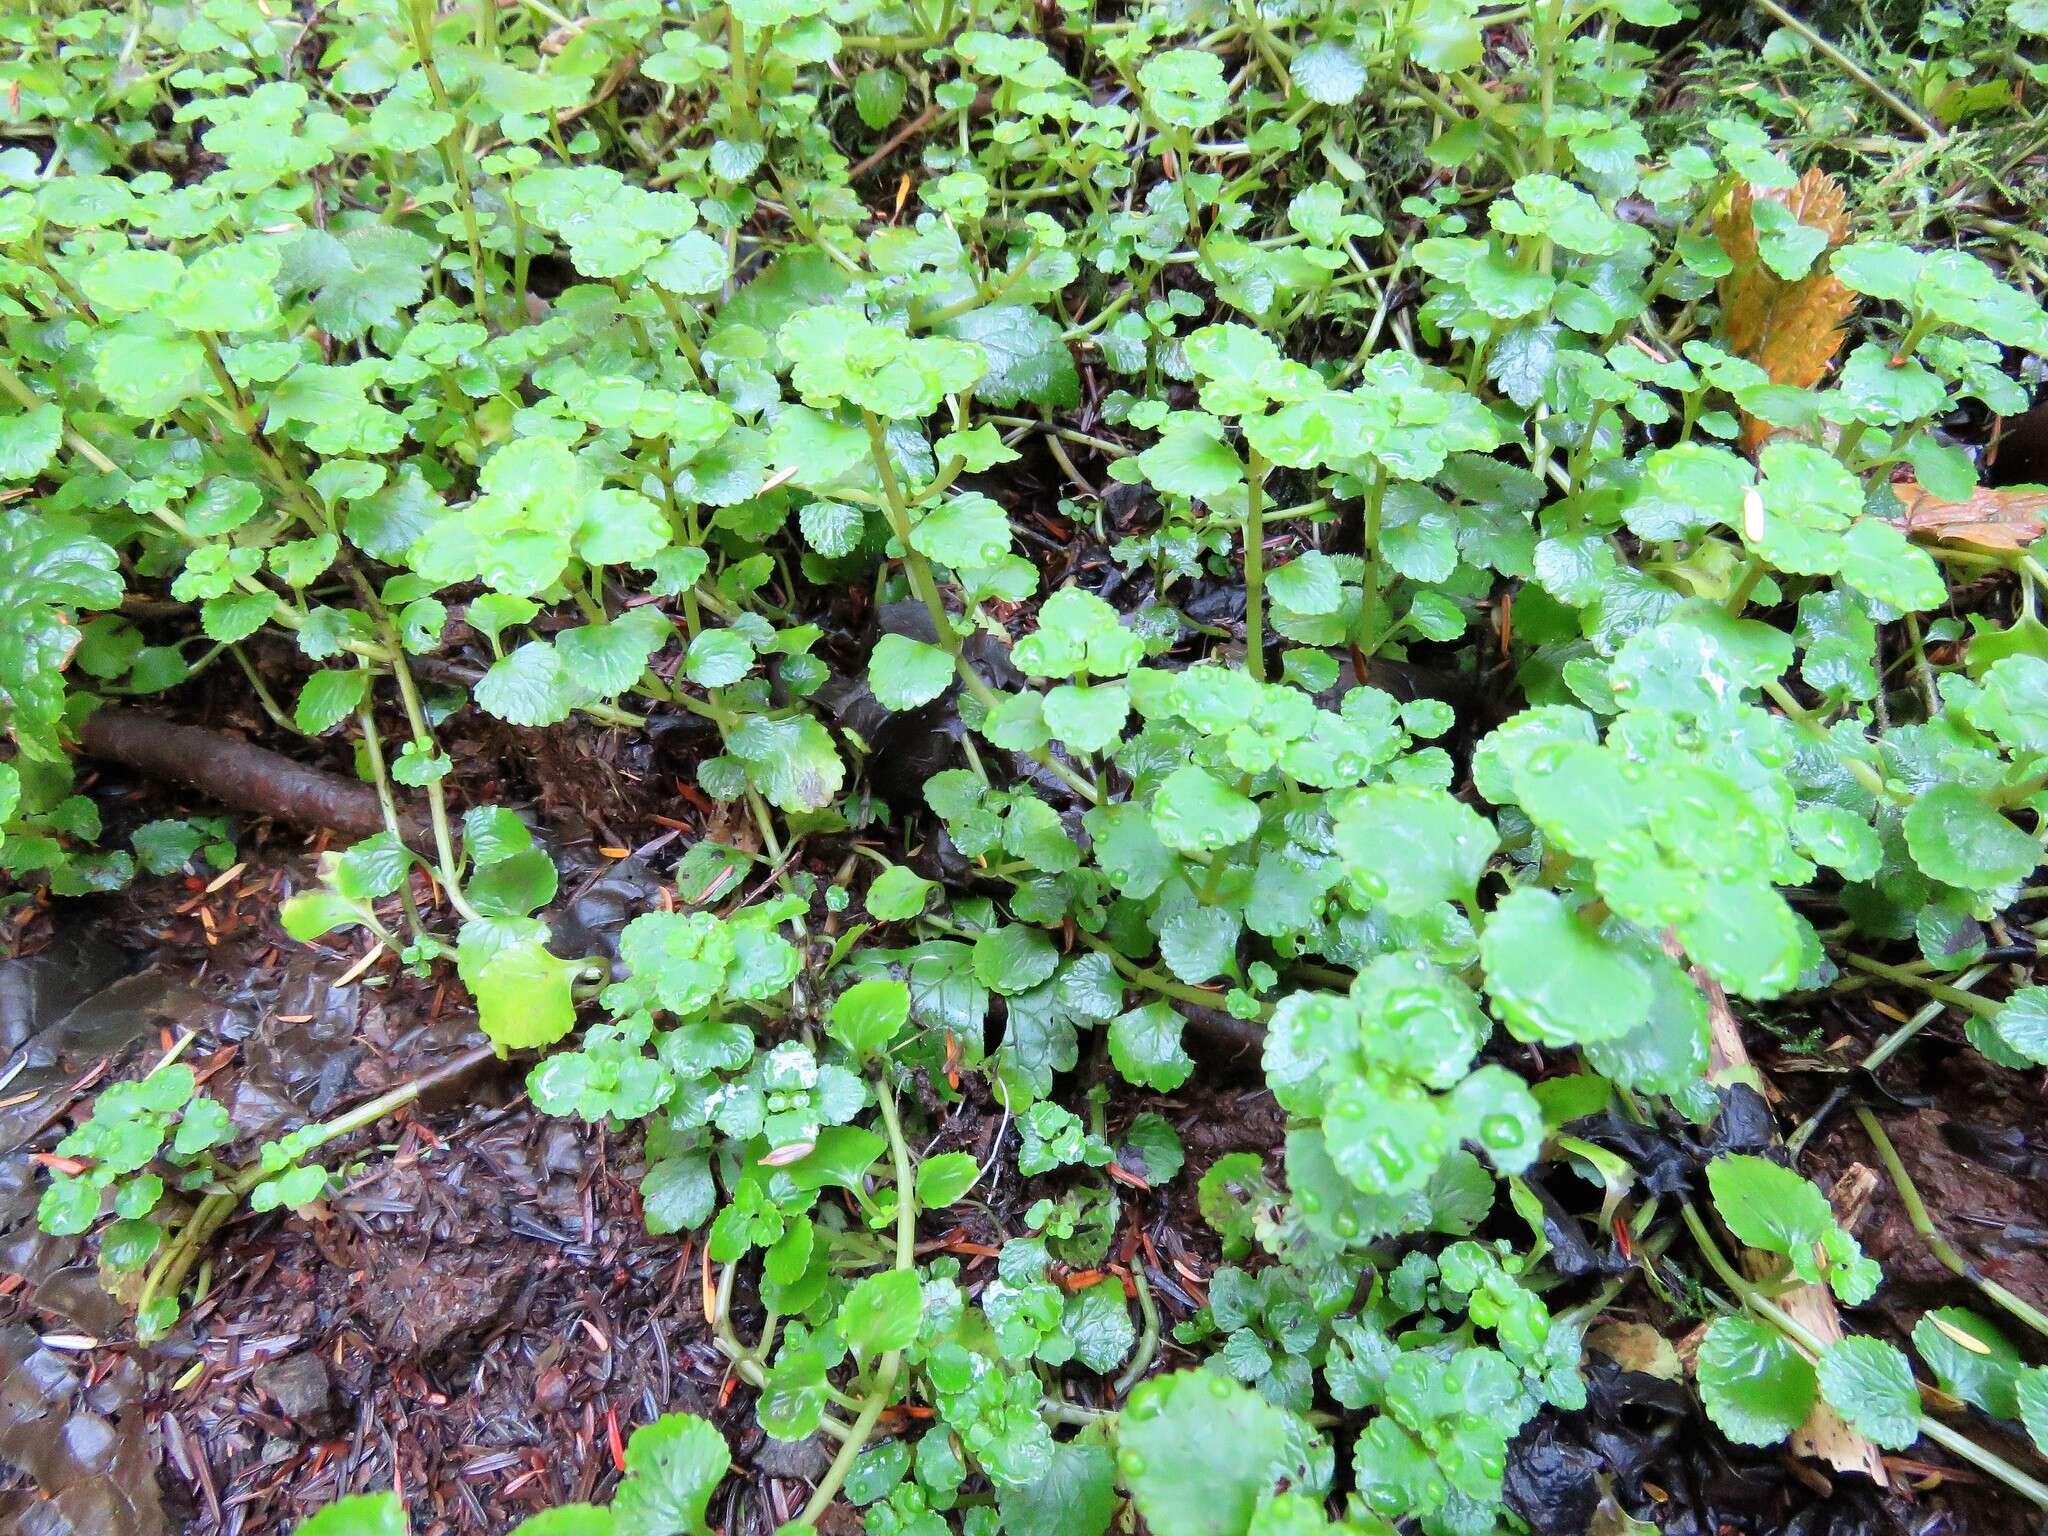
x,y
1369,620
1851,68
1148,1341
1165,986
1939,1246
421,14
1983,1007
1803,717
437,802
167,1275
1892,1043
373,750
1254,568
1752,573
882,1390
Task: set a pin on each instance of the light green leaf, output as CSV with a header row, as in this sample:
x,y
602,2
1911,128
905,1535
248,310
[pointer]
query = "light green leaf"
x,y
522,993
1198,1453
870,1014
1087,719
1145,1045
673,1466
1956,838
28,441
359,1514
1554,978
528,687
1756,1387
1194,811
904,673
882,1313
942,1179
898,893
1870,1384
329,698
1409,848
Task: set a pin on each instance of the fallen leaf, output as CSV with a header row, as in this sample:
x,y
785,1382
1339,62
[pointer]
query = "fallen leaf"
x,y
1791,330
1991,519
1636,1347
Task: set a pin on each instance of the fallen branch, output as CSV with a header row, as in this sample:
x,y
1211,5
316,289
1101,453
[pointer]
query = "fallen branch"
x,y
245,778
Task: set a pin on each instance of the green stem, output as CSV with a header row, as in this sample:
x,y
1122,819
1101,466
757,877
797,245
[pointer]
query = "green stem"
x,y
1851,68
882,1391
373,751
1369,619
437,802
167,1275
1983,1007
1745,584
1896,1041
1803,717
1148,1341
1939,1246
1254,568
1165,986
420,14
1948,1439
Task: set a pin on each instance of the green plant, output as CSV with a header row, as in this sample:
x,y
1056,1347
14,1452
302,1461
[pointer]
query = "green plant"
x,y
547,370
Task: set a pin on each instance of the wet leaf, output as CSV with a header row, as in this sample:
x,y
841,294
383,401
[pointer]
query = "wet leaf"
x,y
1198,1452
1757,1388
1870,1384
1991,519
1792,327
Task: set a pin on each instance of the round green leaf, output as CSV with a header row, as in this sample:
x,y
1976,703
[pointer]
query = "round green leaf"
x,y
1869,1383
1554,978
360,1514
904,673
1958,839
1198,1452
1408,847
897,893
1194,811
868,1015
673,1466
882,1313
943,1179
1756,1387
1088,719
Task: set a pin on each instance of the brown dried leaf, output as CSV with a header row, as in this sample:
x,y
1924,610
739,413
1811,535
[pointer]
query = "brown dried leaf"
x,y
1991,519
1791,330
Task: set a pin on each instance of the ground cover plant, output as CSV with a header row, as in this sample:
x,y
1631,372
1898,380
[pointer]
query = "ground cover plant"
x,y
1458,561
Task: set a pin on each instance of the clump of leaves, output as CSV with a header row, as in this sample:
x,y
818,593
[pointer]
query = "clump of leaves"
x,y
459,386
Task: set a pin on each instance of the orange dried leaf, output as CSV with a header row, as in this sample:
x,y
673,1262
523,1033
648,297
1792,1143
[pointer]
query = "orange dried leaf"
x,y
1991,519
1792,330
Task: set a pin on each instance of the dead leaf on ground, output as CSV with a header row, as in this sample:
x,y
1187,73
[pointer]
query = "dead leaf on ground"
x,y
1992,519
1792,330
